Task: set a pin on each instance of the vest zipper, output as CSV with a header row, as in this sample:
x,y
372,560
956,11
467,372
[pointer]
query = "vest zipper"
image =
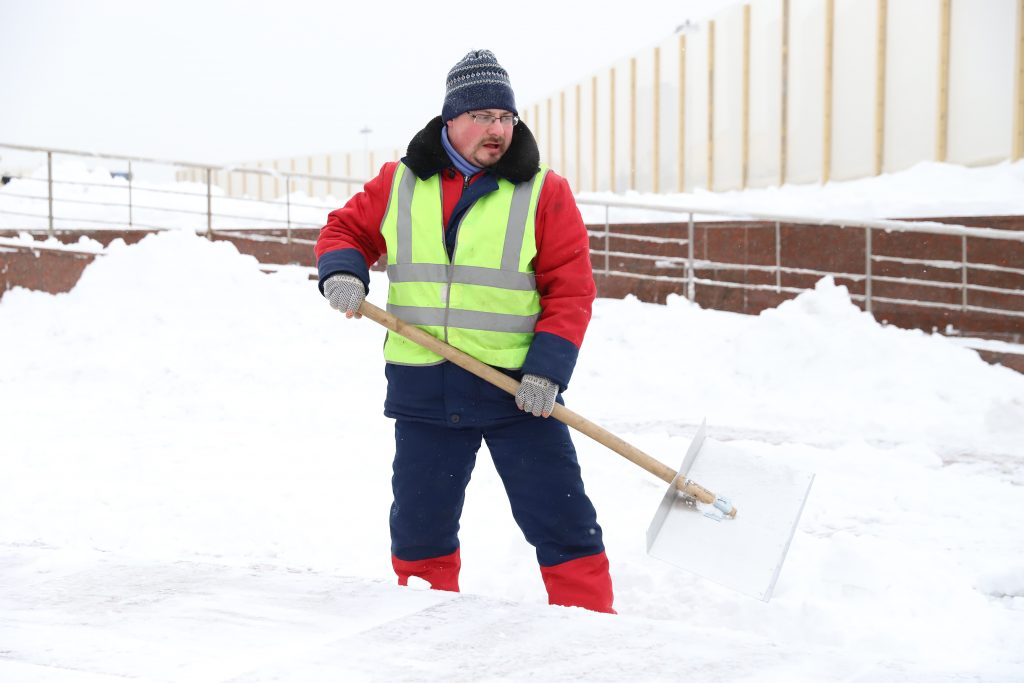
x,y
451,262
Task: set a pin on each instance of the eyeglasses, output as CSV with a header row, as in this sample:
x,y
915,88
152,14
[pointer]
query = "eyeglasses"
x,y
488,119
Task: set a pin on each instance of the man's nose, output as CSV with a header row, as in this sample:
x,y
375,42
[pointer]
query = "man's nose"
x,y
495,127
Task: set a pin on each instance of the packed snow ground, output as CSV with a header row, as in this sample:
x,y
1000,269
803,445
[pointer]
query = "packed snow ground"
x,y
196,483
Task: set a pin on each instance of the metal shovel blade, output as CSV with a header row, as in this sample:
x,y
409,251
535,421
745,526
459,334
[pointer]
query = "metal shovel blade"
x,y
745,553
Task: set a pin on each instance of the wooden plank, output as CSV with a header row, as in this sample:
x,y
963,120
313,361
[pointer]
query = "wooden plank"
x,y
561,131
1018,119
826,147
579,126
711,106
548,128
656,145
784,118
745,152
611,129
942,136
681,152
593,134
881,69
632,123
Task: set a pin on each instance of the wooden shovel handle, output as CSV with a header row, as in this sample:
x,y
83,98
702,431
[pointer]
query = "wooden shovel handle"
x,y
560,412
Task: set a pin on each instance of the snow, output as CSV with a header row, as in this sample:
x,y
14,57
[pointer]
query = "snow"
x,y
197,481
927,189
25,239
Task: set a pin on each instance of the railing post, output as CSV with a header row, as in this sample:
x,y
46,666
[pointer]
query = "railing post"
x,y
867,269
691,286
963,273
288,206
129,194
607,238
209,206
778,258
49,190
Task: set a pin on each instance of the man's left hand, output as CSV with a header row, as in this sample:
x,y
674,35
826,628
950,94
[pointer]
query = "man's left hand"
x,y
537,395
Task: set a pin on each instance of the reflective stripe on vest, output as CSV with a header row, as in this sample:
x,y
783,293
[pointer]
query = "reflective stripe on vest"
x,y
486,302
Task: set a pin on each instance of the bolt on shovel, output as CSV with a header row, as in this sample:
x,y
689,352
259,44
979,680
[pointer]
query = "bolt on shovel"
x,y
683,496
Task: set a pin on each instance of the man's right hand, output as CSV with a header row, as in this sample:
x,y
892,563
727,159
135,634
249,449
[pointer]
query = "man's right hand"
x,y
346,293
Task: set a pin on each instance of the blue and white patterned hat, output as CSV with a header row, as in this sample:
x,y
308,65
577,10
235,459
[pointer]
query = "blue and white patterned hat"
x,y
477,82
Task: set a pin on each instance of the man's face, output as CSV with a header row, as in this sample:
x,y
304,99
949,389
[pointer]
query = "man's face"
x,y
479,144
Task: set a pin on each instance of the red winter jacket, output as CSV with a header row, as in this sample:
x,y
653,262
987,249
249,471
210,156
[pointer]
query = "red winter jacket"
x,y
352,241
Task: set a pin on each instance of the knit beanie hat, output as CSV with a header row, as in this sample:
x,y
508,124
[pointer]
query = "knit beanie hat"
x,y
477,82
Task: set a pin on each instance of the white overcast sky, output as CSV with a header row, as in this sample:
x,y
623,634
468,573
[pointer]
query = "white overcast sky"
x,y
222,81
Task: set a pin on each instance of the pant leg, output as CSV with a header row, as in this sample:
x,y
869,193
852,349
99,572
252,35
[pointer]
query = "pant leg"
x,y
536,461
432,467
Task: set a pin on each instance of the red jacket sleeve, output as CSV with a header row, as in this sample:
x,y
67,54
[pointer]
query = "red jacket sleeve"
x,y
355,226
565,282
565,279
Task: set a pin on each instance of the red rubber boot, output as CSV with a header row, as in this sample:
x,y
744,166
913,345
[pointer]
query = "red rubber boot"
x,y
442,573
583,582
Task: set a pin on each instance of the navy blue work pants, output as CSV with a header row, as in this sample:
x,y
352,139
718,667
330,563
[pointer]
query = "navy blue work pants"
x,y
536,461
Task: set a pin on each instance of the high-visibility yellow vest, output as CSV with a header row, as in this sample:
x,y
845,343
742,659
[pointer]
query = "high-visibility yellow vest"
x,y
485,300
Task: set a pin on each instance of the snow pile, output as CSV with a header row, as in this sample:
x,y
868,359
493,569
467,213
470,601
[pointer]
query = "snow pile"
x,y
25,239
927,189
816,367
180,406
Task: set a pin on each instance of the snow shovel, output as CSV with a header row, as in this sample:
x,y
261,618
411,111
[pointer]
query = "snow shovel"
x,y
687,508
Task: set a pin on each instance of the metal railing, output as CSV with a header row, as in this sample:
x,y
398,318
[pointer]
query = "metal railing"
x,y
776,221
132,206
690,264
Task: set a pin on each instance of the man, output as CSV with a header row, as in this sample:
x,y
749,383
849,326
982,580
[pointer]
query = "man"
x,y
486,249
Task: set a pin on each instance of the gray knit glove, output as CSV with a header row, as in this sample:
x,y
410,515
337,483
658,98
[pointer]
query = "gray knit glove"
x,y
346,293
537,395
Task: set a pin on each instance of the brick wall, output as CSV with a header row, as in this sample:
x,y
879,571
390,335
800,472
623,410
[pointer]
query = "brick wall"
x,y
823,248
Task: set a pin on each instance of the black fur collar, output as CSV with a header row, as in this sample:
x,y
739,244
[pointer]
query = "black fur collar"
x,y
426,155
